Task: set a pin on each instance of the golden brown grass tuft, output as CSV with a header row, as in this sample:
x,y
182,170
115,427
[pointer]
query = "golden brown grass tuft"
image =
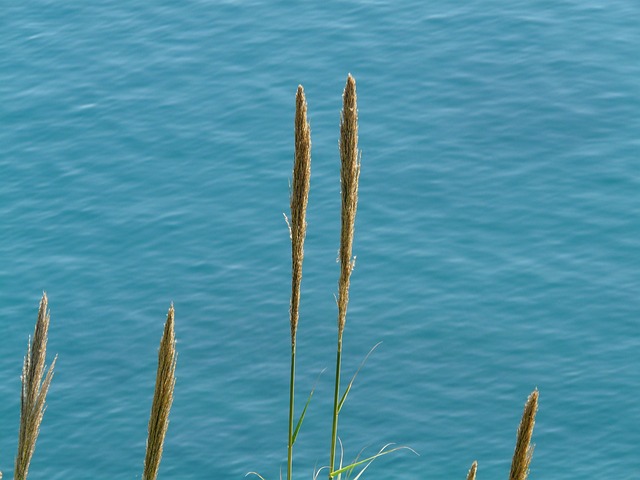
x,y
472,471
349,176
299,200
524,450
34,391
162,399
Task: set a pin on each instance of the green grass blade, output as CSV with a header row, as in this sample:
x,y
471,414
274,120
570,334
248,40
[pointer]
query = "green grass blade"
x,y
354,461
304,410
300,420
346,392
368,460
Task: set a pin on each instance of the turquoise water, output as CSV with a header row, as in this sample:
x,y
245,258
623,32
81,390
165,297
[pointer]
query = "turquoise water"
x,y
146,149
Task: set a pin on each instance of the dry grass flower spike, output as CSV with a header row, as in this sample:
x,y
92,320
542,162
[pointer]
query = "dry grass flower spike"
x,y
349,177
297,230
162,399
472,471
35,385
524,450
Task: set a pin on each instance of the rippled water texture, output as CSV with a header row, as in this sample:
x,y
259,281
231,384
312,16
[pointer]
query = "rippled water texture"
x,y
145,154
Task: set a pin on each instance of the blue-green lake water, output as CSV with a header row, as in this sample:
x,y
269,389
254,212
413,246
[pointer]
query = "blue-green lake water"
x,y
145,156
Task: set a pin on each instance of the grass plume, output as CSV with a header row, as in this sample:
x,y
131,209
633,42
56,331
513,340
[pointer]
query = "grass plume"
x,y
524,450
162,399
297,229
35,385
472,471
298,203
349,176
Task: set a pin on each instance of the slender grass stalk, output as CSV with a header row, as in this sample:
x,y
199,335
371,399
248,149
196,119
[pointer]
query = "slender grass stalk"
x,y
472,471
162,399
297,230
349,175
34,391
524,450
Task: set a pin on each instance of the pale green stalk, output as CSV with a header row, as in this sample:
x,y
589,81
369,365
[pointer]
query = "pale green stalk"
x,y
524,450
34,391
162,399
349,175
297,230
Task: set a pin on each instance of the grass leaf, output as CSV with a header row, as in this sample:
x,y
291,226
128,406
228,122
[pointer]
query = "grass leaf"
x,y
304,410
368,460
346,392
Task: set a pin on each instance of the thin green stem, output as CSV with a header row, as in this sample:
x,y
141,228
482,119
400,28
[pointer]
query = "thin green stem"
x,y
336,400
291,396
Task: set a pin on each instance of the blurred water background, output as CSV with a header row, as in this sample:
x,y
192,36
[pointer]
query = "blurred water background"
x,y
145,155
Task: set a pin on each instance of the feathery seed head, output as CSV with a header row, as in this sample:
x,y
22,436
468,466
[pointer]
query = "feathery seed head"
x,y
162,399
349,177
299,200
34,391
472,471
524,450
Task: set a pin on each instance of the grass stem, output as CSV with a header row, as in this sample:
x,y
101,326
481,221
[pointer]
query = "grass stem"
x,y
291,408
336,397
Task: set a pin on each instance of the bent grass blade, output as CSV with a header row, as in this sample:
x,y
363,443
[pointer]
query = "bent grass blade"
x,y
364,361
304,410
368,460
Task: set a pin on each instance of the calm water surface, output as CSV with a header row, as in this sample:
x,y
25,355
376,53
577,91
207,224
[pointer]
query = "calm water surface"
x,y
146,149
